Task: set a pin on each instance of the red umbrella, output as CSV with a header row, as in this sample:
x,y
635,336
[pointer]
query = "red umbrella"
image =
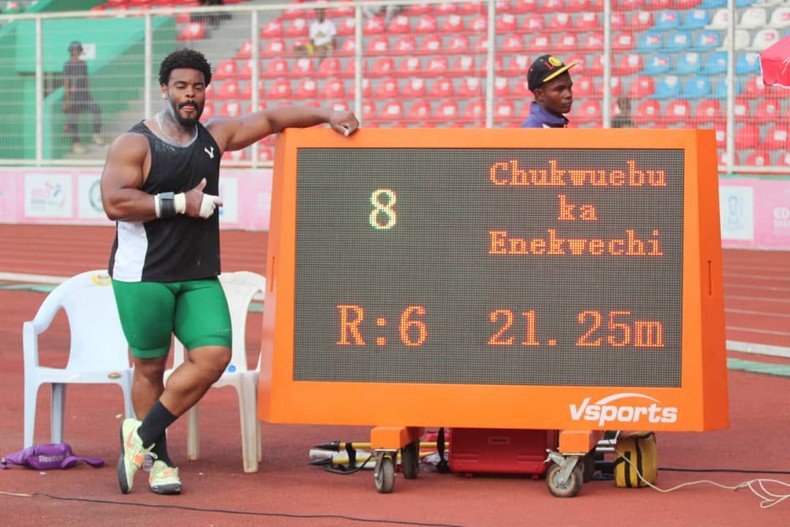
x,y
775,63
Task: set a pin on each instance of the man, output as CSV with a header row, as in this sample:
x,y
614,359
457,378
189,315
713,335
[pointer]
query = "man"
x,y
322,35
160,184
77,98
549,81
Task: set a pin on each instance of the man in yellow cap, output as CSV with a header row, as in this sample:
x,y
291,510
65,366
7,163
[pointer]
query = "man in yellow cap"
x,y
549,81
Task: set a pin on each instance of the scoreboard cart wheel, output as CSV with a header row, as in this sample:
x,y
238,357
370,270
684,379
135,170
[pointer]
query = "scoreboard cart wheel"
x,y
564,489
384,472
410,460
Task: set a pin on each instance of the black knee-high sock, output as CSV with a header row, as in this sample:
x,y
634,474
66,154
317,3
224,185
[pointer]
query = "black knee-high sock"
x,y
155,424
160,450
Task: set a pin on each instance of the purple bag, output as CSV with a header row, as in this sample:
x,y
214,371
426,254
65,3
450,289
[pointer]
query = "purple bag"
x,y
50,456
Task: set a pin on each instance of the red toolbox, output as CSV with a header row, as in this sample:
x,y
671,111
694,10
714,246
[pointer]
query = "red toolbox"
x,y
500,451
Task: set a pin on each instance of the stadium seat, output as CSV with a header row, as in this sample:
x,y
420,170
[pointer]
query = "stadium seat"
x,y
245,50
518,65
707,111
784,159
481,45
192,31
720,19
348,47
464,65
501,87
505,113
695,19
666,20
657,64
414,88
647,111
746,63
587,22
595,67
226,69
649,42
279,89
753,17
506,23
298,27
552,6
754,87
667,87
399,25
333,89
768,111
274,47
678,111
470,87
374,26
306,89
392,111
584,87
230,109
524,6
776,138
688,63
478,24
445,8
367,89
350,69
780,17
405,45
346,27
272,29
431,45
520,88
452,24
742,109
458,44
619,20
338,11
764,38
628,64
747,137
378,45
474,112
339,106
382,67
641,87
760,158
245,72
228,89
436,67
447,112
566,43
499,65
623,41
712,4
409,67
743,39
329,67
426,24
512,43
696,87
559,22
419,110
387,88
473,7
589,112
615,87
659,4
708,40
677,41
721,89
416,10
716,63
303,67
246,92
541,43
235,155
208,112
533,22
276,68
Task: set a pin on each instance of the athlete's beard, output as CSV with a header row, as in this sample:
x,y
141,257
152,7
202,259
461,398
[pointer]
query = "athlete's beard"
x,y
188,122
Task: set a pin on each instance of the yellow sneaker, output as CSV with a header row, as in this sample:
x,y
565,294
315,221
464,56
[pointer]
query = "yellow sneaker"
x,y
163,479
132,454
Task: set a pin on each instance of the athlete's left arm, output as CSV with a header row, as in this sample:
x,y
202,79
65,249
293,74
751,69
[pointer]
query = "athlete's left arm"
x,y
241,132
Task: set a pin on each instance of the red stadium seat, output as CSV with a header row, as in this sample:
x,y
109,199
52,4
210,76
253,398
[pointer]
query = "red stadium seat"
x,y
458,44
329,67
383,67
192,31
478,24
463,65
566,43
245,73
245,50
475,112
559,21
350,69
470,87
387,88
339,106
392,111
447,111
226,69
784,159
306,89
525,6
436,67
298,27
279,89
776,138
367,89
641,21
747,136
274,47
303,67
405,45
641,87
431,45
708,111
519,65
414,88
368,110
584,87
615,87
228,89
593,41
420,110
333,89
678,111
208,112
768,111
647,111
629,64
472,7
552,6
505,112
452,24
346,27
623,41
400,25
272,29
265,155
533,22
445,8
246,93
348,47
520,88
587,22
426,25
506,23
409,67
378,45
742,109
230,109
539,42
760,158
512,43
417,9
501,87
589,112
754,87
499,66
619,20
481,45
442,88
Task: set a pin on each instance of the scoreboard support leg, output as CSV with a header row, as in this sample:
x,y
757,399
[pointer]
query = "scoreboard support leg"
x,y
571,465
386,441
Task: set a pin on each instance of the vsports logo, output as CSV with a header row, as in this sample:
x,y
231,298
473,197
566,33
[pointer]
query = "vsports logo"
x,y
607,410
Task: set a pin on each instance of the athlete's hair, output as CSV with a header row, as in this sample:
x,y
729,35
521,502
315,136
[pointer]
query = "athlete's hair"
x,y
184,58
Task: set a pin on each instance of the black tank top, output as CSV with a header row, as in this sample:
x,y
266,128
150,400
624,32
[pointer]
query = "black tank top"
x,y
179,248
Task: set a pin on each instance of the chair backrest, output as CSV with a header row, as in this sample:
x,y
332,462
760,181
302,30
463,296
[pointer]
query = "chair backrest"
x,y
97,340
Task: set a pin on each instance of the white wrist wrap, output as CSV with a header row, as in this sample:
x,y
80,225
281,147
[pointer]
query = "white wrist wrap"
x,y
209,205
156,206
180,201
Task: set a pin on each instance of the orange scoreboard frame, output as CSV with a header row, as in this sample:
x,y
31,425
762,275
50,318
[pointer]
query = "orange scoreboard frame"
x,y
495,278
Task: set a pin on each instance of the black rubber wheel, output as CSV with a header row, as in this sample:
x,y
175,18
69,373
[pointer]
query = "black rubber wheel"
x,y
385,477
410,460
570,488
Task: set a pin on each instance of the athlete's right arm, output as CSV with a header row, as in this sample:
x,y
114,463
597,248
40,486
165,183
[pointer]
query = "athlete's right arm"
x,y
128,160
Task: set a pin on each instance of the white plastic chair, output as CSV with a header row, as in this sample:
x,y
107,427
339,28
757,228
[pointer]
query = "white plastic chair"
x,y
240,288
98,353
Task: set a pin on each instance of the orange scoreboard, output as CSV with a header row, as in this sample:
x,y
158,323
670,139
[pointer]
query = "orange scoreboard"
x,y
495,278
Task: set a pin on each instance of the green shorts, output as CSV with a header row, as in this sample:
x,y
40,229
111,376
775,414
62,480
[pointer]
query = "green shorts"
x,y
196,311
